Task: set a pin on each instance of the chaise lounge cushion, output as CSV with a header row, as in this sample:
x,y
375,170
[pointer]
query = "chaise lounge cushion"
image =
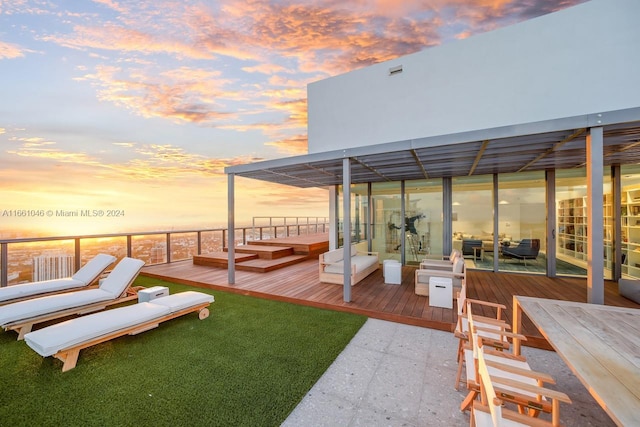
x,y
111,288
83,277
44,305
121,276
48,341
182,300
92,269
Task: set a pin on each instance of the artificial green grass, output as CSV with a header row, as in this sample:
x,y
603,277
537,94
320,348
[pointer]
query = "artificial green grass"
x,y
248,364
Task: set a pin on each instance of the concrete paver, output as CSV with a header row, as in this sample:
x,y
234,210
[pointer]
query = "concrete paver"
x,y
392,374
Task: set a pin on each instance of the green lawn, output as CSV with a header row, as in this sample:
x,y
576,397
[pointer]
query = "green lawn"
x,y
248,364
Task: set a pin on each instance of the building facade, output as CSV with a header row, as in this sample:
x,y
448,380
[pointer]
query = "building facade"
x,y
527,135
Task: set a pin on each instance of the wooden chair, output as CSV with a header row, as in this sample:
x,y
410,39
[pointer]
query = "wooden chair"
x,y
489,410
496,340
457,276
512,366
446,262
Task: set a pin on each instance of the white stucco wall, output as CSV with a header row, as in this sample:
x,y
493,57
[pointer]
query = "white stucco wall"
x,y
581,60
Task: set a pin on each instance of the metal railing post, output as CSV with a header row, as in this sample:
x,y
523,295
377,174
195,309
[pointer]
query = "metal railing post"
x,y
199,240
168,248
77,253
4,264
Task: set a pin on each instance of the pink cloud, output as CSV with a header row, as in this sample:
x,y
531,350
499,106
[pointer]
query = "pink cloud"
x,y
11,51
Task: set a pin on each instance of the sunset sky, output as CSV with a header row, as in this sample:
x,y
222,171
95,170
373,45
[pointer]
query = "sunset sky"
x,y
137,106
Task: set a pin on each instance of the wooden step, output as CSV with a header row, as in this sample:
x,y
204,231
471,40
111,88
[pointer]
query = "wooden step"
x,y
312,244
265,265
220,259
264,251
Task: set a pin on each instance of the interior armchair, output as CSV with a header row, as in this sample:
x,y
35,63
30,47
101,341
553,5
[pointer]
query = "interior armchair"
x,y
527,249
469,244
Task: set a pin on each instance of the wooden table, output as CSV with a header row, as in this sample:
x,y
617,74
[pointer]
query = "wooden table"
x,y
599,343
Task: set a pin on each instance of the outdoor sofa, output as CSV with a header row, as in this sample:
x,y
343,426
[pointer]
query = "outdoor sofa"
x,y
331,265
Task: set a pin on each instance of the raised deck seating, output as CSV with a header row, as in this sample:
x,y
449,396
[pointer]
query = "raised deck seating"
x,y
268,255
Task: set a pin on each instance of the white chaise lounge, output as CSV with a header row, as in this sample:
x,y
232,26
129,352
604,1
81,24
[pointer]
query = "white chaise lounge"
x,y
21,316
88,274
65,340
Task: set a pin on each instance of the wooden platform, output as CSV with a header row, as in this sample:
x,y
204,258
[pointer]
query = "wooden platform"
x,y
264,251
299,284
308,244
220,259
267,255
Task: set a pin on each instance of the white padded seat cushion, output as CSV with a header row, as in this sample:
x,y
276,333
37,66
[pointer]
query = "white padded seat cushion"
x,y
458,266
361,262
91,270
83,277
182,300
333,256
121,276
23,310
48,341
28,289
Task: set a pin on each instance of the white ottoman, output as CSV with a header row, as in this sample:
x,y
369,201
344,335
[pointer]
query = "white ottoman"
x,y
384,265
149,294
440,292
392,272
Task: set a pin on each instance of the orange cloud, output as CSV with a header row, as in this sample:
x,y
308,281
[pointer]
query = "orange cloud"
x,y
116,38
181,95
291,146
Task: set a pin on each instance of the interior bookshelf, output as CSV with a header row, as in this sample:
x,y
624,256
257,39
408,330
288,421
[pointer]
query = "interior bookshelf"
x,y
573,231
630,216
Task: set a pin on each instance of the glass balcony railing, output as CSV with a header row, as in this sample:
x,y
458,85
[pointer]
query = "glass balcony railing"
x,y
66,254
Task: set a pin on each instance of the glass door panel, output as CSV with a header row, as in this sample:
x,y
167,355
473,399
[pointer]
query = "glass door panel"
x,y
387,220
423,219
522,218
472,220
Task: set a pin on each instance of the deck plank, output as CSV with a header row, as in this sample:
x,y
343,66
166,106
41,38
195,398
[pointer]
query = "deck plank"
x,y
300,284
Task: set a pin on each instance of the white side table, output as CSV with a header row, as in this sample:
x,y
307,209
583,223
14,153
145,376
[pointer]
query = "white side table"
x,y
392,271
441,292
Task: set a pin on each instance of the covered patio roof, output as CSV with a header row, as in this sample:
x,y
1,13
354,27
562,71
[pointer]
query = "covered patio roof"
x,y
554,144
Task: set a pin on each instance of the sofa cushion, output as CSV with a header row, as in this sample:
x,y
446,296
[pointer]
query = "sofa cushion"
x,y
333,256
361,262
458,267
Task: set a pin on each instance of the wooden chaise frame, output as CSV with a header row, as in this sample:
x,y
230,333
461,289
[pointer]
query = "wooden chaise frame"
x,y
69,356
24,326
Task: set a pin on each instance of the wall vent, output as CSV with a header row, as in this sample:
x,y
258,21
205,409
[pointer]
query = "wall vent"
x,y
395,70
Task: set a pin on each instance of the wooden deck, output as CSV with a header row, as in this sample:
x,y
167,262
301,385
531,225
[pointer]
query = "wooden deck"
x,y
267,255
299,284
